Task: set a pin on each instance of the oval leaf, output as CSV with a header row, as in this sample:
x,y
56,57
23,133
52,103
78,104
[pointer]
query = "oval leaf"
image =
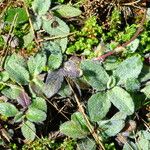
x,y
8,109
95,74
129,68
29,131
35,115
98,106
67,11
41,6
121,99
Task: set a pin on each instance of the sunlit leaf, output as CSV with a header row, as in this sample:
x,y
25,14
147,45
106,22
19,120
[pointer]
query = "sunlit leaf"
x,y
29,131
8,110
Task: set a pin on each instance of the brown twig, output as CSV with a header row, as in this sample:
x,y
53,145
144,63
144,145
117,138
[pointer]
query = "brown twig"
x,y
77,97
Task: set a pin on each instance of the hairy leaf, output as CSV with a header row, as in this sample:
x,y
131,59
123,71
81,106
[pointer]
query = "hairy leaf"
x,y
41,6
129,68
98,106
54,61
55,26
8,110
86,144
35,115
95,74
76,128
67,11
146,91
29,131
121,99
17,93
36,63
16,68
39,103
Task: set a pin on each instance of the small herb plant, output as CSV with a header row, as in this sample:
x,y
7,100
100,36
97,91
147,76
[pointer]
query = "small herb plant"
x,y
117,88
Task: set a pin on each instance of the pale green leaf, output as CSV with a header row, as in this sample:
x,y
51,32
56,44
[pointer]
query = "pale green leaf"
x,y
41,6
18,117
8,110
129,68
35,115
132,47
54,61
39,103
28,38
121,99
78,118
76,128
86,144
36,64
67,11
16,68
132,85
29,131
146,90
55,26
95,74
98,106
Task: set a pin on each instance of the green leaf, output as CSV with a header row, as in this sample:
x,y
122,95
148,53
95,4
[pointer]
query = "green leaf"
x,y
19,117
21,15
133,45
111,127
121,99
144,144
146,91
8,110
54,61
80,121
39,103
129,68
35,115
67,11
28,38
95,74
114,125
71,129
37,23
98,106
65,90
130,146
55,26
76,128
16,68
41,6
86,144
132,85
111,82
29,131
36,64
4,76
